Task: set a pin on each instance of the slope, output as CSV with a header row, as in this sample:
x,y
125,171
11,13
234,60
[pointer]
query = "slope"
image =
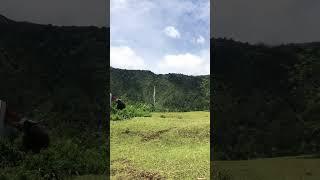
x,y
266,99
174,92
53,69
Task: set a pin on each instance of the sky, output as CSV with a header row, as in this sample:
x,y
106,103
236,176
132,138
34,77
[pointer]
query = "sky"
x,y
161,36
268,21
58,12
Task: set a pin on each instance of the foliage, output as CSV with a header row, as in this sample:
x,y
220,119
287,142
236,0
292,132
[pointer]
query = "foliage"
x,y
174,92
136,110
266,99
54,69
56,75
65,158
9,154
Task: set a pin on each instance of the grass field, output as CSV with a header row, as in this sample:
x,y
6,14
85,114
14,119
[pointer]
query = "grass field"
x,y
164,146
89,177
284,168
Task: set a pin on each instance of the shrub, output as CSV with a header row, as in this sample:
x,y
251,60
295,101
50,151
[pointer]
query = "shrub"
x,y
66,158
131,111
9,154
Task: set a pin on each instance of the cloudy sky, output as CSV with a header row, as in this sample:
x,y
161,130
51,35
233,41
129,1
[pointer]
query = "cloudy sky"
x,y
161,36
268,21
58,12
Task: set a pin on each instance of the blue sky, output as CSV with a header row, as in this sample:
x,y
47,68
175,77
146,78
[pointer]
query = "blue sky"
x,y
171,36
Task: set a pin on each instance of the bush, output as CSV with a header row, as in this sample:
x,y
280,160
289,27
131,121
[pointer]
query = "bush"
x,y
9,154
64,158
131,111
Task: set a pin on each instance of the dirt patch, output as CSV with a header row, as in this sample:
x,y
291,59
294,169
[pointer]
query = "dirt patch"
x,y
121,160
154,135
130,132
162,116
124,169
147,136
151,175
175,116
195,133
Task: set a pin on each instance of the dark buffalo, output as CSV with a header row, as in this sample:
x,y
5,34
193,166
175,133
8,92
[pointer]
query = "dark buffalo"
x,y
120,105
35,137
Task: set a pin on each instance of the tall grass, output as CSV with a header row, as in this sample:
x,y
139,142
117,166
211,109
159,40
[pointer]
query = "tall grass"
x,y
219,174
65,157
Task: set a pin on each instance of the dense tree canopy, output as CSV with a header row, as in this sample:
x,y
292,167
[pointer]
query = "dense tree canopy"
x,y
174,92
266,100
54,71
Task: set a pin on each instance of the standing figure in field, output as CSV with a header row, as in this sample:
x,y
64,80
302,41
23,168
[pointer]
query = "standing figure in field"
x,y
35,137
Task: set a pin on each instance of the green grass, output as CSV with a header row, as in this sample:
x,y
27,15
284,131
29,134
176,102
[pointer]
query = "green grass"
x,y
283,168
90,177
66,157
166,145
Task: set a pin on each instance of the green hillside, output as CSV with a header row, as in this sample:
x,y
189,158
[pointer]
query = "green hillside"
x,y
266,99
58,75
174,92
55,69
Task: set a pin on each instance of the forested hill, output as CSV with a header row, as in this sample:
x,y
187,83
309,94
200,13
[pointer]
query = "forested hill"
x,y
174,92
266,100
56,72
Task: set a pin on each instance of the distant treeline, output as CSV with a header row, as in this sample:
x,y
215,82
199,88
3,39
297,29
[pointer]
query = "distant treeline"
x,y
174,92
266,99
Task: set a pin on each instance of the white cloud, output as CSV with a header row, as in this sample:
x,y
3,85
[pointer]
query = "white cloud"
x,y
200,40
204,13
117,5
172,32
188,63
125,58
147,28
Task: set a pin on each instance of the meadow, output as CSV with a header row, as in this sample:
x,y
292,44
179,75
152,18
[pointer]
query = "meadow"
x,y
167,145
82,156
281,168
